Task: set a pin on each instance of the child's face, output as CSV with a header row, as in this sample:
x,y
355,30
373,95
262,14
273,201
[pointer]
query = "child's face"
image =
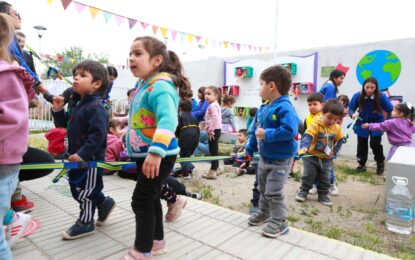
x,y
141,65
265,91
338,81
116,131
200,95
241,137
314,107
369,88
341,100
82,83
330,119
210,96
396,113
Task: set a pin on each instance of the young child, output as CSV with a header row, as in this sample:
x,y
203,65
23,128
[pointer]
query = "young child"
x,y
14,131
344,99
315,106
323,140
213,126
275,126
370,104
188,133
56,142
399,129
238,153
114,143
330,88
150,137
228,119
200,111
87,125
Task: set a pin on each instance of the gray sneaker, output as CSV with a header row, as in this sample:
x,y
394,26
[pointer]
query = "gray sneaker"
x,y
258,219
275,228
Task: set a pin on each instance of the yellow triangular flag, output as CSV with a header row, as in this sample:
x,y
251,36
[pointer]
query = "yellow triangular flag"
x,y
206,41
94,11
164,31
225,44
190,37
155,29
50,1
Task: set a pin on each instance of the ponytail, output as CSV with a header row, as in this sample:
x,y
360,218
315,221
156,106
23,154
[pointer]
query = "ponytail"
x,y
175,68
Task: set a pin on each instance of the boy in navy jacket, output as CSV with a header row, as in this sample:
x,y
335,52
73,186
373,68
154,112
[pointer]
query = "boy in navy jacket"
x,y
275,126
86,121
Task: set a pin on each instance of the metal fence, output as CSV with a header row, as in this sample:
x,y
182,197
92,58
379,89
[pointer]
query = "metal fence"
x,y
40,118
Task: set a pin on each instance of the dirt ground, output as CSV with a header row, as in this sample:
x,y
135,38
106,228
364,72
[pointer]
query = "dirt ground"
x,y
356,217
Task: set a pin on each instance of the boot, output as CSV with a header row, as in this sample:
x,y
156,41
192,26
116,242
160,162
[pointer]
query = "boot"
x,y
211,175
380,168
361,167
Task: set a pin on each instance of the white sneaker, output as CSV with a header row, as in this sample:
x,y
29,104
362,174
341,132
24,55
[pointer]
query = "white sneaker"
x,y
16,229
313,190
333,190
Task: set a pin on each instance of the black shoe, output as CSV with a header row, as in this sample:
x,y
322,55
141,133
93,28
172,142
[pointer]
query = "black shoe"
x,y
325,200
78,230
380,168
104,210
301,196
361,168
291,175
177,173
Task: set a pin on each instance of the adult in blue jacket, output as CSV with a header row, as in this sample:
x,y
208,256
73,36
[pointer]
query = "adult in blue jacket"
x,y
370,104
330,87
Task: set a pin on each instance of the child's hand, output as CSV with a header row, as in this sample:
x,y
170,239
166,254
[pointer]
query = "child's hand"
x,y
74,158
365,125
58,102
331,155
151,166
260,133
302,151
356,114
211,135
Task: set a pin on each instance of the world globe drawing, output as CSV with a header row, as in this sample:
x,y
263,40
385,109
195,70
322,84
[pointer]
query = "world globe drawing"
x,y
384,65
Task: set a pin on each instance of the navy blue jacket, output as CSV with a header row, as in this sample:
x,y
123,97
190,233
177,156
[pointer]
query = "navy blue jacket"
x,y
280,122
328,90
87,125
200,111
368,114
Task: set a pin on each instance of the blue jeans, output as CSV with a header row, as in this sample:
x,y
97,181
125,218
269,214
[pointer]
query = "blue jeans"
x,y
8,180
204,148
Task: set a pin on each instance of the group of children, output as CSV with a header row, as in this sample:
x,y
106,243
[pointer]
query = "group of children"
x,y
155,135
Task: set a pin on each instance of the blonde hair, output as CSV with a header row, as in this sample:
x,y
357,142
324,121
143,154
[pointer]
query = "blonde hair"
x,y
6,37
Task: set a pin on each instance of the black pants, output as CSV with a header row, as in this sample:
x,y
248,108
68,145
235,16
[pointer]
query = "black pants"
x,y
34,155
146,205
375,145
255,192
186,152
214,149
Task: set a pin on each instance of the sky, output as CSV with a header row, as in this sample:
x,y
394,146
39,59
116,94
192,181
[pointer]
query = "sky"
x,y
279,24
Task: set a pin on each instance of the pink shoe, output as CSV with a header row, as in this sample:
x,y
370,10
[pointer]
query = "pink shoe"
x,y
175,209
159,247
133,254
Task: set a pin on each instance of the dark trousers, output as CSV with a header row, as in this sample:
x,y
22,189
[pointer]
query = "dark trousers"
x,y
255,192
316,169
34,155
146,205
86,188
214,149
186,152
375,145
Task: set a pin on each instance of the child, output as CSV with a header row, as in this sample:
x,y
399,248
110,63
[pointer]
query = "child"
x,y
56,138
87,122
114,143
315,106
228,119
252,112
344,99
323,140
330,88
14,131
399,129
150,137
275,125
213,126
188,133
370,104
202,106
238,152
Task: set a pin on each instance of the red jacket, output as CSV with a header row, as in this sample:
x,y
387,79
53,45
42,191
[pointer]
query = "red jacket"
x,y
56,138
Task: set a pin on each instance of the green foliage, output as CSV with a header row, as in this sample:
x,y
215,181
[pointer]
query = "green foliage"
x,y
206,191
292,218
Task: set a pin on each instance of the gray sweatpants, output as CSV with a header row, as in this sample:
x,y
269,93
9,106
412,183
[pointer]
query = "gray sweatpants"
x,y
316,169
272,175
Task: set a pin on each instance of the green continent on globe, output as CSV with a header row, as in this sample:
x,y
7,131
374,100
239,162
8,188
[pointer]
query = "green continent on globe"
x,y
393,68
368,59
366,74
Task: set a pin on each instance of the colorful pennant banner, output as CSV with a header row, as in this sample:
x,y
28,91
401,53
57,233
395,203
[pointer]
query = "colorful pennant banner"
x,y
94,11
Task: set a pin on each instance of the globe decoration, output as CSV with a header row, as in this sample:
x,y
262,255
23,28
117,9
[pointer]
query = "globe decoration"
x,y
384,65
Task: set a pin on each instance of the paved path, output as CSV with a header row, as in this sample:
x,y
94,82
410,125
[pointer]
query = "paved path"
x,y
203,231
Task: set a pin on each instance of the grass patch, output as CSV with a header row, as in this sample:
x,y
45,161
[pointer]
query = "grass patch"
x,y
346,171
370,242
206,191
296,176
334,233
292,218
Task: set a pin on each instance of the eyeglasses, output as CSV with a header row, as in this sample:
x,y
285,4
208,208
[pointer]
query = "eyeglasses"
x,y
17,14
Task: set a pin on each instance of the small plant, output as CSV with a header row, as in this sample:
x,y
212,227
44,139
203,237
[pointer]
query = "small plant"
x,y
206,191
216,201
370,228
231,208
334,233
292,218
297,176
315,211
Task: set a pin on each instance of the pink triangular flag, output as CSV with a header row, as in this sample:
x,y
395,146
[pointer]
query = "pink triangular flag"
x,y
79,7
198,38
144,25
131,22
119,19
238,46
173,34
65,3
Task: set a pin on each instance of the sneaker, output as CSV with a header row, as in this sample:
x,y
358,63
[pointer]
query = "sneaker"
x,y
258,219
177,172
175,209
211,175
313,190
133,254
380,168
361,168
333,190
291,175
253,210
301,196
23,205
159,247
17,228
275,228
325,200
78,230
104,210
194,195
187,175
242,172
